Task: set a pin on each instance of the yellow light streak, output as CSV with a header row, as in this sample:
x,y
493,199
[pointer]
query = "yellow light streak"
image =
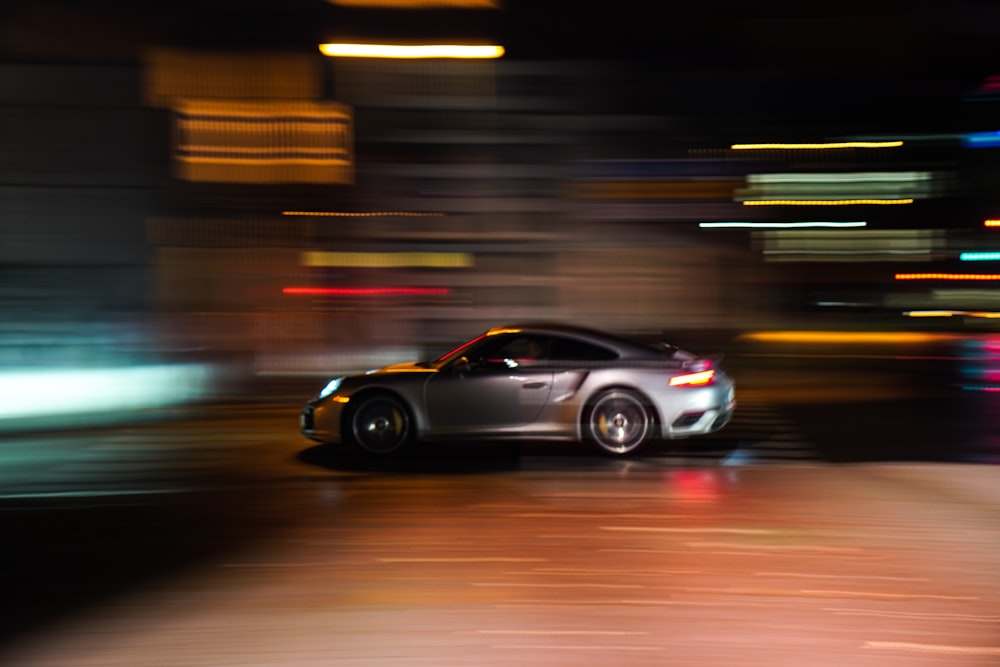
x,y
827,202
930,313
991,223
818,146
441,260
414,51
365,214
843,337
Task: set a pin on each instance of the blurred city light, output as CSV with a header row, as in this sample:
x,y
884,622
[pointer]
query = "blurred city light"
x,y
263,141
991,223
983,139
947,276
952,313
448,260
412,51
364,214
781,225
817,146
367,291
27,393
838,186
857,337
826,202
979,256
868,245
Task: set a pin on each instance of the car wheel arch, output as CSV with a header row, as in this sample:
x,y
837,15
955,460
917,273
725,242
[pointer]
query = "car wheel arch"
x,y
415,423
587,404
593,403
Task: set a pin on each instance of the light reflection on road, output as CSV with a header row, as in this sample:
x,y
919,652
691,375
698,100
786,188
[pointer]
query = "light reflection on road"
x,y
853,565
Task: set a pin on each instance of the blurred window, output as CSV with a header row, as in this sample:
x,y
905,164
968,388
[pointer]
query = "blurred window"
x,y
568,349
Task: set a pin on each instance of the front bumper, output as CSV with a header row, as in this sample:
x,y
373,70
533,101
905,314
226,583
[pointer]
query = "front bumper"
x,y
320,421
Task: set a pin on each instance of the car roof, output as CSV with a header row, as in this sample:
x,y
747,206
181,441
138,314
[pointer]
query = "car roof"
x,y
624,347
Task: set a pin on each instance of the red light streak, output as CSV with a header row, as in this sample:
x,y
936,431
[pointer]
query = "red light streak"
x,y
948,276
367,291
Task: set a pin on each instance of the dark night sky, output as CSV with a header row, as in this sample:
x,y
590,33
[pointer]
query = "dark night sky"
x,y
890,35
848,56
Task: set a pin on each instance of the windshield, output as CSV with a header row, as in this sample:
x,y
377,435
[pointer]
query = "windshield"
x,y
447,357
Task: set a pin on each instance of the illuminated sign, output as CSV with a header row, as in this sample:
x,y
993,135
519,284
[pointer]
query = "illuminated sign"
x,y
263,142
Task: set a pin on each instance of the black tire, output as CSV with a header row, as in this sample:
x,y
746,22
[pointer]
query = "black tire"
x,y
618,422
379,424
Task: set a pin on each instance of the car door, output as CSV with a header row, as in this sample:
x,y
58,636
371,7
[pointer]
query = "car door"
x,y
504,386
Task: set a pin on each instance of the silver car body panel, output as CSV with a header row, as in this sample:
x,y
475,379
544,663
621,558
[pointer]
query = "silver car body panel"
x,y
511,399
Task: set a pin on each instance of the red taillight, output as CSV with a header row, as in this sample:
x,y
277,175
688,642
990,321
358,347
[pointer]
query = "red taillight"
x,y
700,378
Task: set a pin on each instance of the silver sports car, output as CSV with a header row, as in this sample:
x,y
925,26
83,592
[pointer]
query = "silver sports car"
x,y
529,382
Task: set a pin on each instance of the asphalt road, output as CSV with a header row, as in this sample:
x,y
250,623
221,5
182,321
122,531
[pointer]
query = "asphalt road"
x,y
846,517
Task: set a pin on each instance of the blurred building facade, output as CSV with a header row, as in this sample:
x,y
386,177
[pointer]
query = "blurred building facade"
x,y
299,212
185,195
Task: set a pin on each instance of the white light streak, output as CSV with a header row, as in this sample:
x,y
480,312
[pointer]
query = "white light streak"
x,y
781,225
415,51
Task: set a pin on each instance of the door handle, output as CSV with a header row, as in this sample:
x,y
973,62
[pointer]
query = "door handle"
x,y
533,385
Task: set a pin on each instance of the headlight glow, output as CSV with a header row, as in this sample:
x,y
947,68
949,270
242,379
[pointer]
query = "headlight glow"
x,y
331,386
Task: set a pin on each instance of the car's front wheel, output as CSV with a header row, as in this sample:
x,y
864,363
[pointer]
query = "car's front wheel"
x,y
619,422
379,424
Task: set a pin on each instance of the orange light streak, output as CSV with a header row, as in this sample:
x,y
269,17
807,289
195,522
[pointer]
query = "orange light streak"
x,y
826,202
948,276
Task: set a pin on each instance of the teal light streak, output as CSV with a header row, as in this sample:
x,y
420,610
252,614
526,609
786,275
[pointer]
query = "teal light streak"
x,y
980,256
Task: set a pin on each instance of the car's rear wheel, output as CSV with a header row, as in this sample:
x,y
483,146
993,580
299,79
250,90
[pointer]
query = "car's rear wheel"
x,y
379,423
619,422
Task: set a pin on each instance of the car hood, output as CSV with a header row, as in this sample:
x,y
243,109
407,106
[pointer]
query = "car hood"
x,y
408,367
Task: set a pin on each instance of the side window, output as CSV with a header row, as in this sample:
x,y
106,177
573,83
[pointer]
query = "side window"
x,y
567,349
526,349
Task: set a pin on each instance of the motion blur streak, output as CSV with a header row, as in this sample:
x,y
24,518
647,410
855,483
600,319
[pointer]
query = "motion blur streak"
x,y
948,276
638,190
841,144
826,202
983,139
419,51
991,223
29,394
271,141
367,291
844,186
979,256
389,259
849,245
779,225
365,214
845,337
854,177
951,313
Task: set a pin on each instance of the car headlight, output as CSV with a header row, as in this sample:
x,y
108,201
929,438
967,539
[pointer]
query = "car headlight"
x,y
331,386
